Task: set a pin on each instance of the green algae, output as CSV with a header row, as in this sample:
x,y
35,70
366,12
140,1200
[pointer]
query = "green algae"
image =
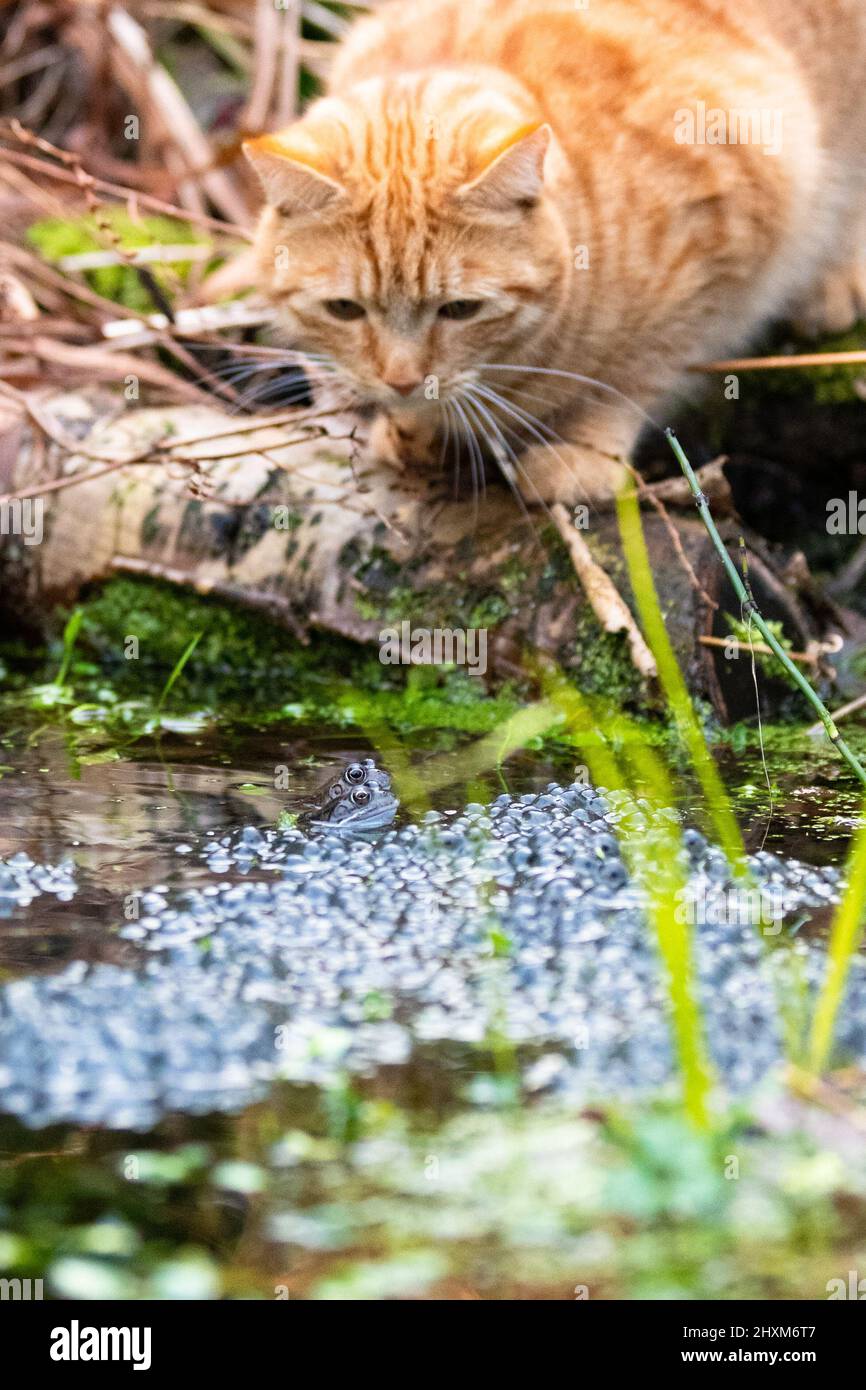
x,y
247,671
132,633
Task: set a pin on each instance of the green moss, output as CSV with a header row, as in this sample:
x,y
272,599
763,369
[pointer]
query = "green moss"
x,y
605,666
388,599
435,698
246,670
163,618
599,661
56,237
833,385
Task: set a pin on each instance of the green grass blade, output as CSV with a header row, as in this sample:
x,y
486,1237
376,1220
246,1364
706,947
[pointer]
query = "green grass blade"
x,y
845,936
178,669
671,677
70,637
674,941
665,890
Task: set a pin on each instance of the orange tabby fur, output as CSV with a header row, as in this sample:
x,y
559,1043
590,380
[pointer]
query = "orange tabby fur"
x,y
523,153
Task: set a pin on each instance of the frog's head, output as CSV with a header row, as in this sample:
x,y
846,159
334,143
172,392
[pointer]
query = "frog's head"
x,y
367,807
360,799
363,774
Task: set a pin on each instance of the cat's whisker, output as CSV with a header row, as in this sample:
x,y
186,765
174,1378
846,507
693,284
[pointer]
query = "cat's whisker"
x,y
269,388
245,372
572,376
532,424
262,391
476,461
512,457
474,425
220,380
283,397
509,462
259,350
458,441
529,421
271,380
524,395
458,451
277,371
552,404
471,412
453,437
446,439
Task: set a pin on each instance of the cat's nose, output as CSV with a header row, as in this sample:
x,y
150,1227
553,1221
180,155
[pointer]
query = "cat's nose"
x,y
404,385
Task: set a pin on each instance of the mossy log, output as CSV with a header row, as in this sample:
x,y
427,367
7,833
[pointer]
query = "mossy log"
x,y
288,518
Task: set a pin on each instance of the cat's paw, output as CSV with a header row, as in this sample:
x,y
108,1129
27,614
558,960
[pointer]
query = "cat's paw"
x,y
572,474
401,442
836,303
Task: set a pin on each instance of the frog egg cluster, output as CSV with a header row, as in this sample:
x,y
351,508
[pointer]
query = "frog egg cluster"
x,y
306,958
22,880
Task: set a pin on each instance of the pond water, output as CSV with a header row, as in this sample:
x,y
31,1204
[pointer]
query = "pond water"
x,y
369,1156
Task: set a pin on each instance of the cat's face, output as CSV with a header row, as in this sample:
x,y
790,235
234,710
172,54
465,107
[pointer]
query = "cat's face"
x,y
407,238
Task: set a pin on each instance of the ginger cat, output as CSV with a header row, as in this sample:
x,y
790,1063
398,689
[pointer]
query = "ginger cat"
x,y
498,195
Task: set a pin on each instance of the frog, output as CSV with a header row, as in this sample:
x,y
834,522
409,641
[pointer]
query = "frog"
x,y
359,799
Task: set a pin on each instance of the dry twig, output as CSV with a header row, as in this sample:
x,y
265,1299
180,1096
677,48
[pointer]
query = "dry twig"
x,y
607,603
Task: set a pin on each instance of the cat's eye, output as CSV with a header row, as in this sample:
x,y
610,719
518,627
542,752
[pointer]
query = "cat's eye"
x,y
344,309
460,309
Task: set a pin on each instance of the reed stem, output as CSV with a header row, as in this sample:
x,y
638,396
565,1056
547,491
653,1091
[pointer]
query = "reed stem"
x,y
750,607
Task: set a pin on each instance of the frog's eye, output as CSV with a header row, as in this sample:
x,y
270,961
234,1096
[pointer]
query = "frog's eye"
x,y
335,790
356,772
361,796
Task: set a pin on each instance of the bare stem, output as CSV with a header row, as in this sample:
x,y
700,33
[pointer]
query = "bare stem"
x,y
749,604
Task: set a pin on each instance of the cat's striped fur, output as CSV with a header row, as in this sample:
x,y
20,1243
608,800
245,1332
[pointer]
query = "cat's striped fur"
x,y
538,158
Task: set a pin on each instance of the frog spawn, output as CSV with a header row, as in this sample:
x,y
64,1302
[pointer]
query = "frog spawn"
x,y
22,880
518,919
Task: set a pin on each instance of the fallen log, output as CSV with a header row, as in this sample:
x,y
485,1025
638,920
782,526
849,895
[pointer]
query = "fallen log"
x,y
285,515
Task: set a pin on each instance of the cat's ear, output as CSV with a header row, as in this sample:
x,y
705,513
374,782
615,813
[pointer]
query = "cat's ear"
x,y
513,177
291,183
